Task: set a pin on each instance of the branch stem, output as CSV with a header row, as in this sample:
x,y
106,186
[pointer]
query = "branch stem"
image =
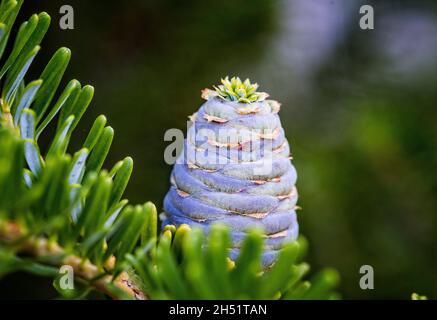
x,y
12,235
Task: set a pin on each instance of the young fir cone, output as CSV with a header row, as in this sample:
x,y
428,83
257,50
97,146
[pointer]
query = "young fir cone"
x,y
235,169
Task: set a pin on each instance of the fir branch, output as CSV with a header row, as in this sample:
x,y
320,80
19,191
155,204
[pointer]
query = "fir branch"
x,y
12,235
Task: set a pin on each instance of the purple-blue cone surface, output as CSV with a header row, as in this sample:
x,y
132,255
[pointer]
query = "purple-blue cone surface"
x,y
236,170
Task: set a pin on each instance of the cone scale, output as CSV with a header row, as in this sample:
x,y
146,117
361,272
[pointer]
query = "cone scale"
x,y
236,170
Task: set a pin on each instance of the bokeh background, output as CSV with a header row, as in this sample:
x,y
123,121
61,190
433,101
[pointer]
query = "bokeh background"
x,y
359,108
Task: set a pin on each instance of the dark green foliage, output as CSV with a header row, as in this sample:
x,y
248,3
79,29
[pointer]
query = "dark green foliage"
x,y
200,269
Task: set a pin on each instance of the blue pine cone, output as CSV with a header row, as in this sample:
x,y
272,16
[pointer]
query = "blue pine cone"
x,y
235,169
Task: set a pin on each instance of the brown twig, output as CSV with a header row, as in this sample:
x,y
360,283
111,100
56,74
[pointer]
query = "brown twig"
x,y
12,234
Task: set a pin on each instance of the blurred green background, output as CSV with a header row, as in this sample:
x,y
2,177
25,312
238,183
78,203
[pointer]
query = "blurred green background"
x,y
359,108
